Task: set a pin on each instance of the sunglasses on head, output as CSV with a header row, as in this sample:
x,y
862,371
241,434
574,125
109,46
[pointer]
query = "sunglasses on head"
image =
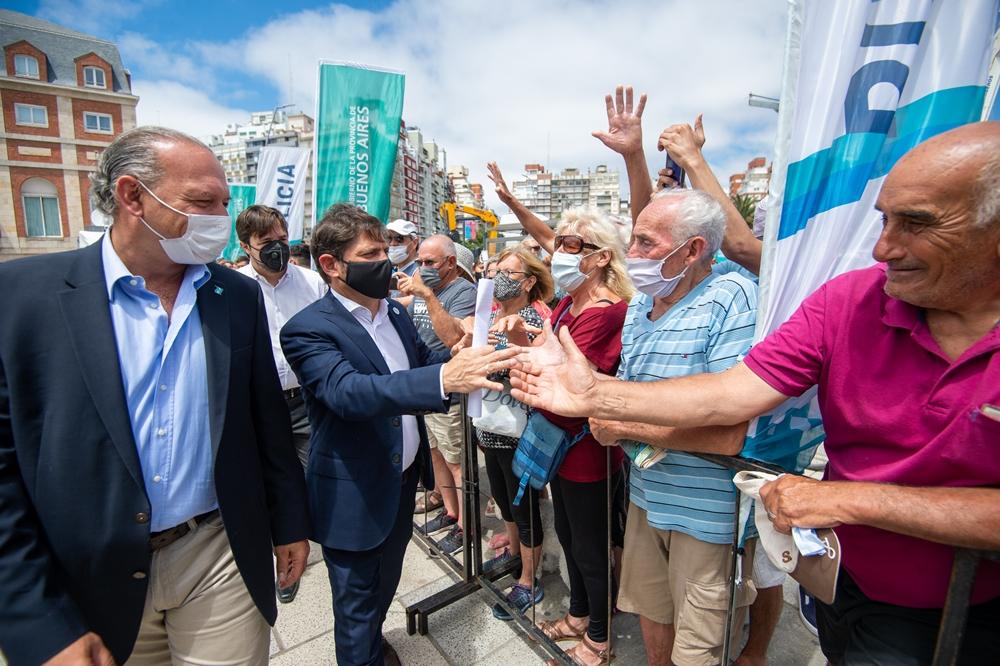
x,y
573,244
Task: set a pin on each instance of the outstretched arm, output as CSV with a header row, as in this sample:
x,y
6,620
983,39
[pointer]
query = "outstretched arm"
x,y
724,440
571,388
684,144
624,136
532,224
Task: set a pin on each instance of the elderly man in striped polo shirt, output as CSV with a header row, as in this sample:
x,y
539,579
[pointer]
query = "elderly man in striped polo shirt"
x,y
690,317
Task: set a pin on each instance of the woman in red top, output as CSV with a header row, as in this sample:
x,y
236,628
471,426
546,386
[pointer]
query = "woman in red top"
x,y
588,263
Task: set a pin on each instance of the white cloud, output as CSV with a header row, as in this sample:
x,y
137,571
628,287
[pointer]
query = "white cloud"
x,y
94,17
524,82
173,104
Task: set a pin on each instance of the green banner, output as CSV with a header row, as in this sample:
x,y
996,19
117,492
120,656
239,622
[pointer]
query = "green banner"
x,y
240,196
357,128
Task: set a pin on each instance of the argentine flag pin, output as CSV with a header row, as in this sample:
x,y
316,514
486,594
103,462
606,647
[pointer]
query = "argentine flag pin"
x,y
218,290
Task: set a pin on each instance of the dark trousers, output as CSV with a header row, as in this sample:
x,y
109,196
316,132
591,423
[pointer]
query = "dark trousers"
x,y
503,486
581,520
857,631
300,427
364,583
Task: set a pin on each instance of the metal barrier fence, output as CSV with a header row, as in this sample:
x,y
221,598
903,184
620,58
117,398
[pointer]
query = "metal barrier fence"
x,y
473,579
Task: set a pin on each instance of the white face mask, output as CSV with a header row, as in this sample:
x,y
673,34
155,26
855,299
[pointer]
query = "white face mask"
x,y
566,270
647,274
398,254
203,241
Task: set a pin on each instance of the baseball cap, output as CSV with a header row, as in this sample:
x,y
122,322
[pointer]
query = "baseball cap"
x,y
402,227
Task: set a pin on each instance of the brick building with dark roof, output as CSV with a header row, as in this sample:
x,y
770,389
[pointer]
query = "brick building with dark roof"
x,y
64,96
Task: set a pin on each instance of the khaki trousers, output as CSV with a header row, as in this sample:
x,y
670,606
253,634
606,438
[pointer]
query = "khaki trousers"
x,y
198,609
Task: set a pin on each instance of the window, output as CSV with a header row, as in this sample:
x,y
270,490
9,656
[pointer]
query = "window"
x,y
41,208
97,122
32,115
93,77
26,66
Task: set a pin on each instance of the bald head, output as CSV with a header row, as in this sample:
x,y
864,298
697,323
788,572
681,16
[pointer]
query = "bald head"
x,y
940,206
437,253
440,243
967,157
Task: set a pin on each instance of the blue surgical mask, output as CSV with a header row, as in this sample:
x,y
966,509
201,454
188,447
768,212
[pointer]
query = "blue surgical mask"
x,y
566,270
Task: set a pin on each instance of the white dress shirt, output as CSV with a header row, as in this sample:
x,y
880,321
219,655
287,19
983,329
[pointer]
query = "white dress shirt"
x,y
296,289
386,338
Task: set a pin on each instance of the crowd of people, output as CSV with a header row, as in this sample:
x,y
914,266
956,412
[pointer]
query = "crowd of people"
x,y
176,429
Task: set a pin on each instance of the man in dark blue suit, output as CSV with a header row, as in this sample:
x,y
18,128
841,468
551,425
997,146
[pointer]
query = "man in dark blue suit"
x,y
368,378
146,466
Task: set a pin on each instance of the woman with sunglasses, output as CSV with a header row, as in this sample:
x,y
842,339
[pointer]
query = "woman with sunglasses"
x,y
521,280
588,263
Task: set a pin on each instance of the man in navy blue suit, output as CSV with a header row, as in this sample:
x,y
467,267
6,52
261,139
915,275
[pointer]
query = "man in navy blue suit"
x,y
368,379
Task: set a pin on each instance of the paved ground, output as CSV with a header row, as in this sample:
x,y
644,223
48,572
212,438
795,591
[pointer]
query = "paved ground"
x,y
466,633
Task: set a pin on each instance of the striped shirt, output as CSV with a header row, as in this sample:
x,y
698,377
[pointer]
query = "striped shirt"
x,y
708,330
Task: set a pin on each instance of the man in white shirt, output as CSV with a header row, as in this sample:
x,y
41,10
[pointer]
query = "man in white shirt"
x,y
287,288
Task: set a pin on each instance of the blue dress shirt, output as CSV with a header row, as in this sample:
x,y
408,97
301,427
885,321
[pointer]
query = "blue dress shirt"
x,y
165,376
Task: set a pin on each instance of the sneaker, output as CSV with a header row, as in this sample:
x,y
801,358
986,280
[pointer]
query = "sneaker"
x,y
440,522
286,595
520,598
498,561
807,610
453,541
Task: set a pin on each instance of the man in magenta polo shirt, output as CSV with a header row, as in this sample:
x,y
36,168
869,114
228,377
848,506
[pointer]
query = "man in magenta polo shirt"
x,y
904,354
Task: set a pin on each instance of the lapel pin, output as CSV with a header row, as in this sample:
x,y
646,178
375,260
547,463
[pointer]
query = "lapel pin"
x,y
395,310
218,290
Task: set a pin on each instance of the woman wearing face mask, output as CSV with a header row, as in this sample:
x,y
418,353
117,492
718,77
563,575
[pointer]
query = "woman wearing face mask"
x,y
520,280
588,262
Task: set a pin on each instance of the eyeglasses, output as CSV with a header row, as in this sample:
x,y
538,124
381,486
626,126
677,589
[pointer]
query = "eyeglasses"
x,y
492,273
573,244
396,238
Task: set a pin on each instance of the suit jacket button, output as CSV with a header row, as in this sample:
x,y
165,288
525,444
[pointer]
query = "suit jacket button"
x,y
396,458
139,575
142,518
396,421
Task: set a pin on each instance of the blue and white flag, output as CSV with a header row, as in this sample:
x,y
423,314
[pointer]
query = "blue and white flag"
x,y
864,82
282,179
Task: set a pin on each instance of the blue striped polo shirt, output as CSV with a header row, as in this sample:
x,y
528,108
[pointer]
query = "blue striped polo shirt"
x,y
708,330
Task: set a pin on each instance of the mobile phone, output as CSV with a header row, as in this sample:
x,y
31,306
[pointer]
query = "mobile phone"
x,y
393,283
676,170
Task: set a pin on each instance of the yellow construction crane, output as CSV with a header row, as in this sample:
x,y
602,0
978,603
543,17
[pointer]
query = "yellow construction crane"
x,y
448,210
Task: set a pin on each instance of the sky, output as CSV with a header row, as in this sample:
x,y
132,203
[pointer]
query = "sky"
x,y
516,82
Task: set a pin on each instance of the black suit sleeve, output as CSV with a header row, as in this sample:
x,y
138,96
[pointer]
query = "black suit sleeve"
x,y
284,482
37,617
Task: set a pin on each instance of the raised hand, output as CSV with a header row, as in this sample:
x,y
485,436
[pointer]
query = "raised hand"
x,y
501,185
515,329
683,142
624,135
412,285
555,376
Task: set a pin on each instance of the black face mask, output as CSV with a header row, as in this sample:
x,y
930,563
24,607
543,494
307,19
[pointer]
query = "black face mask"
x,y
274,255
370,278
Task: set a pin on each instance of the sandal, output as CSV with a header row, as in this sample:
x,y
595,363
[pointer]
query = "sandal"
x,y
562,630
586,653
429,502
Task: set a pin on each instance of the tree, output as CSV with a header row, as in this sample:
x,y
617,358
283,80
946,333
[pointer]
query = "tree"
x,y
746,205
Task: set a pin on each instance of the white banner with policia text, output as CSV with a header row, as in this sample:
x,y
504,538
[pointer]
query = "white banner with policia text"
x,y
864,82
282,173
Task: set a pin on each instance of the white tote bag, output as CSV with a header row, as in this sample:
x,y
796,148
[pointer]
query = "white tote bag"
x,y
502,414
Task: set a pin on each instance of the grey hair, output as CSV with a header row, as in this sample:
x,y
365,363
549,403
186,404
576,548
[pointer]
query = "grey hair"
x,y
698,214
988,192
447,244
133,153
